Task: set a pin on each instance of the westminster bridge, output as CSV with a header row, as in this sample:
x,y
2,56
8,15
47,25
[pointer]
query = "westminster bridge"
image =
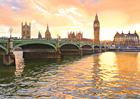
x,y
38,48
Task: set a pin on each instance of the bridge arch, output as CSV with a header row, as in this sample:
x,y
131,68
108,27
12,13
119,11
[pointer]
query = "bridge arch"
x,y
64,44
86,46
102,47
69,49
4,49
96,46
27,43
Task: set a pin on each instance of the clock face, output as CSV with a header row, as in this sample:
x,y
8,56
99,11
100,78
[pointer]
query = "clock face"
x,y
95,25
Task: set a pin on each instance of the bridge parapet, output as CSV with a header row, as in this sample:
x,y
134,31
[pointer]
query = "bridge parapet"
x,y
4,45
19,42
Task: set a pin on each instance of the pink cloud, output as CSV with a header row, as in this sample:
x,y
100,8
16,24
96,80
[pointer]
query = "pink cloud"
x,y
68,14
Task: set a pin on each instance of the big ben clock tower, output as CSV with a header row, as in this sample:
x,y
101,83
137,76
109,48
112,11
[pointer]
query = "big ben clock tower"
x,y
96,26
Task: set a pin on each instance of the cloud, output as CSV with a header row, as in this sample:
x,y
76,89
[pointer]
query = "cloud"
x,y
95,1
69,15
16,8
4,29
38,7
33,21
91,1
82,1
15,5
73,10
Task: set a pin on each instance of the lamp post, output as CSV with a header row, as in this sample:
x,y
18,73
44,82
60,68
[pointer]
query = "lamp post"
x,y
11,30
80,44
100,47
58,37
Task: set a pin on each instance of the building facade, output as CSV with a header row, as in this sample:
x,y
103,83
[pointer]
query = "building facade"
x,y
121,39
106,42
72,36
48,34
96,27
75,37
26,30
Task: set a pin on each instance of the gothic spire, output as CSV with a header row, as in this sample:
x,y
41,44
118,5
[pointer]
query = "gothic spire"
x,y
47,27
96,17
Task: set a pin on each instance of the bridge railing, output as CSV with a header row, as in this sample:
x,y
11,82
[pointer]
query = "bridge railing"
x,y
27,40
20,40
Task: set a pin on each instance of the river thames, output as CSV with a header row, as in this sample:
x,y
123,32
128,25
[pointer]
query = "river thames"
x,y
105,75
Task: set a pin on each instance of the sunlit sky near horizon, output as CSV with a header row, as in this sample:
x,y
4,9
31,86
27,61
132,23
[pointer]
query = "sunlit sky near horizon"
x,y
70,15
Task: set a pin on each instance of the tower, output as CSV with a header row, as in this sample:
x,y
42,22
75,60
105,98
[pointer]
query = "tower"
x,y
26,30
39,35
96,26
47,34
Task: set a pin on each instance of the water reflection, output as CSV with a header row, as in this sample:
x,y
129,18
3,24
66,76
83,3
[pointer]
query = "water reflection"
x,y
106,75
96,78
108,65
121,74
19,63
138,62
127,61
128,73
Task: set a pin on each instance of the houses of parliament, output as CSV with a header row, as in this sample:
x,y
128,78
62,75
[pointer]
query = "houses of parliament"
x,y
26,32
72,36
78,36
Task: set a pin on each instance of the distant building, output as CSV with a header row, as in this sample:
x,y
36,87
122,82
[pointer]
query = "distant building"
x,y
78,37
48,34
86,40
26,30
39,35
64,39
126,39
75,37
106,42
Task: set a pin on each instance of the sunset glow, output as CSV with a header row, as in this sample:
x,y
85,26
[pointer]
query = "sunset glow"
x,y
63,16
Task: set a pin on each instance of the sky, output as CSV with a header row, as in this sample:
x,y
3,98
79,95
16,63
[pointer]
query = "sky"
x,y
64,16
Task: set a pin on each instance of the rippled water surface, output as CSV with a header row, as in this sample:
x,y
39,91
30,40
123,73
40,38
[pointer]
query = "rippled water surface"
x,y
106,75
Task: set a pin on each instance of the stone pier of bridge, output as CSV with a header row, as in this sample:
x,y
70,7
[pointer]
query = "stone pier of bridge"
x,y
9,60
